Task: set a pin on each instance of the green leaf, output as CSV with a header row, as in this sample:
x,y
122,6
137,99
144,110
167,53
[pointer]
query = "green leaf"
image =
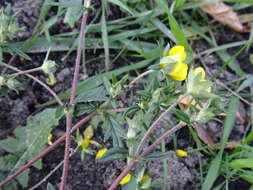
x,y
81,109
178,33
12,145
112,129
213,172
122,5
157,155
96,94
179,3
247,83
247,176
23,178
73,13
242,163
105,37
35,134
114,154
132,185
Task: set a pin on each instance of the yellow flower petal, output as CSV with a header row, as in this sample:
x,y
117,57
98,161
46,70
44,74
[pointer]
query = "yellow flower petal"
x,y
144,178
181,153
202,77
85,144
95,143
88,132
49,139
201,71
101,153
178,53
179,72
126,179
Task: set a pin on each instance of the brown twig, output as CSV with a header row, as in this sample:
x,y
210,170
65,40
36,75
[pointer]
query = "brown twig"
x,y
145,152
72,98
36,80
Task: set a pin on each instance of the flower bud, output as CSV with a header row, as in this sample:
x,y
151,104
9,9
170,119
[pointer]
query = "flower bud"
x,y
131,133
49,67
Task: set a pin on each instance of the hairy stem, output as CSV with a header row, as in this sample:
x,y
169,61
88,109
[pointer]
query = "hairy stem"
x,y
72,98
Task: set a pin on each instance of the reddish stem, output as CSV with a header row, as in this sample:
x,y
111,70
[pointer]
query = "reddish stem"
x,y
47,150
71,101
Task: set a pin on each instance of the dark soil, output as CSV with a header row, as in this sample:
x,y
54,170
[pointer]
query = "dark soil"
x,y
90,175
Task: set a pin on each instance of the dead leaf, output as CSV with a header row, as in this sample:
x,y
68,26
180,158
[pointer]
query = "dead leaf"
x,y
204,136
225,15
207,139
184,103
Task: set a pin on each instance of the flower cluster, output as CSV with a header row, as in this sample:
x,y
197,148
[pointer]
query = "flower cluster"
x,y
172,64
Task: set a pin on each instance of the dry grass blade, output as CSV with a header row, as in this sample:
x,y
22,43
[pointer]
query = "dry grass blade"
x,y
225,15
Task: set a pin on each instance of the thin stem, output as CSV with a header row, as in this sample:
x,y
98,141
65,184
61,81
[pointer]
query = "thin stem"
x,y
145,152
25,72
36,80
139,77
154,125
72,98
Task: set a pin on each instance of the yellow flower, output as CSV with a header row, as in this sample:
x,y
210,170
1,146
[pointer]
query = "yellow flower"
x,y
126,179
144,178
181,153
177,53
88,134
85,143
202,77
49,139
179,70
101,153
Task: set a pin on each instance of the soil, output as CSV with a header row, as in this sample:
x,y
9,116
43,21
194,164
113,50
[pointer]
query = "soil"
x,y
90,175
